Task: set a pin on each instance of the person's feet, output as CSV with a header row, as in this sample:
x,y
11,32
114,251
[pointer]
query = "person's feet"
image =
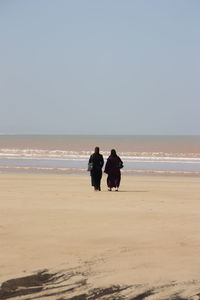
x,y
97,189
109,189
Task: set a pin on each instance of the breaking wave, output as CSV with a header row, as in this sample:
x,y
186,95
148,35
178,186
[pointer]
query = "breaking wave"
x,y
84,155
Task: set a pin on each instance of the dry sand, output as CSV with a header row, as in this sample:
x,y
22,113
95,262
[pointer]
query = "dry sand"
x,y
140,243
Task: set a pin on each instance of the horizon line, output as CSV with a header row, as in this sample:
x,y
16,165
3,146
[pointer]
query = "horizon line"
x,y
100,134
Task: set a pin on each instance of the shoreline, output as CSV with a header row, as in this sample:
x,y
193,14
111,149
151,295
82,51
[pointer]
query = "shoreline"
x,y
84,172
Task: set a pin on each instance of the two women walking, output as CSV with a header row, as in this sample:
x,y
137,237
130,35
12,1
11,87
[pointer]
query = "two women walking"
x,y
112,169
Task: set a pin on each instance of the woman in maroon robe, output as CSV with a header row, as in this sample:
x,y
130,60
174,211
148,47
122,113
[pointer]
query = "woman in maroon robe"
x,y
112,168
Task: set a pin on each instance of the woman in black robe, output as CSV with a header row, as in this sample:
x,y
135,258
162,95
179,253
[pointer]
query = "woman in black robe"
x,y
95,164
112,168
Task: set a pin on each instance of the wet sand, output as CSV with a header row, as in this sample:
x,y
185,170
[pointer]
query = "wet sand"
x,y
59,239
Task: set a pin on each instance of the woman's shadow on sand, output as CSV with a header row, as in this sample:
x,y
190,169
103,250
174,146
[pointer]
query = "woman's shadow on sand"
x,y
127,191
133,191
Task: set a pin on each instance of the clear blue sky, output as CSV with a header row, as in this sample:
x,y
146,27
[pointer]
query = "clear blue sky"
x,y
100,67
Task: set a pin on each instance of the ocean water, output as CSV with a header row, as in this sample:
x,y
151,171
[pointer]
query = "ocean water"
x,y
70,153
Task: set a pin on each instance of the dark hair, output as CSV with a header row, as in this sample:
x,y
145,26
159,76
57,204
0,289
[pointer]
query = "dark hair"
x,y
96,150
113,152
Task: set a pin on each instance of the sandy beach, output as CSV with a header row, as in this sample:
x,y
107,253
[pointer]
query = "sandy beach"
x,y
61,240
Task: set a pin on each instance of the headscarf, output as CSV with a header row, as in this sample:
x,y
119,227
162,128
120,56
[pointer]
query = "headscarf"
x,y
96,150
113,153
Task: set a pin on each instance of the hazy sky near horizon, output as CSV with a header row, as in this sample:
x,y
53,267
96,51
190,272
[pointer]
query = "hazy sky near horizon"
x,y
100,67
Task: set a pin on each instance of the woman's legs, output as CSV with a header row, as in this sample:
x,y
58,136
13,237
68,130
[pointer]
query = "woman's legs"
x,y
96,179
113,181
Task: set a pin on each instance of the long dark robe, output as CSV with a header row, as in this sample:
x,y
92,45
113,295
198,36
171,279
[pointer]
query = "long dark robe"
x,y
112,168
96,172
